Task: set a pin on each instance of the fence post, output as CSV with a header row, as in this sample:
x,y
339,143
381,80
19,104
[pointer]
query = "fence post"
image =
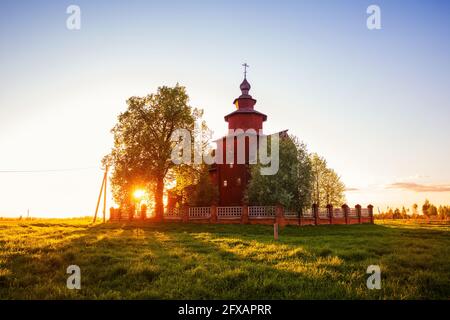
x,y
315,209
213,218
275,231
370,209
358,213
131,212
185,209
112,214
143,211
244,216
345,209
279,215
330,212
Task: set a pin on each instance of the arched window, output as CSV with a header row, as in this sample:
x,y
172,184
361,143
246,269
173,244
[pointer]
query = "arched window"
x,y
238,181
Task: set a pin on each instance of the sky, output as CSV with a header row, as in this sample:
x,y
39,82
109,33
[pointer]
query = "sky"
x,y
374,103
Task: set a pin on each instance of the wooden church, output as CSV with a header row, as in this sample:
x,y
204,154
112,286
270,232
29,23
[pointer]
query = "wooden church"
x,y
232,177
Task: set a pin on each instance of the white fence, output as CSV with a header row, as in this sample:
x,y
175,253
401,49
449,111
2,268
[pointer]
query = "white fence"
x,y
266,214
261,212
338,213
199,212
229,212
307,213
291,214
323,213
352,212
173,213
364,212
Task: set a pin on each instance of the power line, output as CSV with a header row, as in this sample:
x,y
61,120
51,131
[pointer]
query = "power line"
x,y
49,170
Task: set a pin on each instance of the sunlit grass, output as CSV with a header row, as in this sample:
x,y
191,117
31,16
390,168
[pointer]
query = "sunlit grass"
x,y
186,261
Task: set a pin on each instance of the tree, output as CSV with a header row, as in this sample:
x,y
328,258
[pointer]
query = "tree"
x,y
204,192
290,186
390,214
304,174
404,213
415,211
319,167
186,176
426,208
433,211
327,185
142,142
442,212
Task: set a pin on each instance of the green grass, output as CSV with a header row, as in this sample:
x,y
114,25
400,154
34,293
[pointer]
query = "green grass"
x,y
188,261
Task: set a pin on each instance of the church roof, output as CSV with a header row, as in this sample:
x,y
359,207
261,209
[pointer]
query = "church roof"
x,y
243,111
282,134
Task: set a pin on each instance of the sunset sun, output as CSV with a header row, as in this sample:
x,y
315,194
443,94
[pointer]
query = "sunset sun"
x,y
138,194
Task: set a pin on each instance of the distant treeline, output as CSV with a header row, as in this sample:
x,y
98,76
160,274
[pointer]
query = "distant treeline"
x,y
427,211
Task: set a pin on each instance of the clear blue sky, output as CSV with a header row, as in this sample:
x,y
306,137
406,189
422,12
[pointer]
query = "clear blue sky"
x,y
374,103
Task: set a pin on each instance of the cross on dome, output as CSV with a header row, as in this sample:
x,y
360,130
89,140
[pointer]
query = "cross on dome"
x,y
245,65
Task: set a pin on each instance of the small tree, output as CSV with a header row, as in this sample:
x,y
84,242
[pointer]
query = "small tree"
x,y
442,212
415,211
426,208
327,185
433,211
404,213
290,186
205,193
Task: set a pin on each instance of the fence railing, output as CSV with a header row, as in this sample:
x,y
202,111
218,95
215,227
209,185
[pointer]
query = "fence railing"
x,y
338,213
229,212
261,212
173,213
323,213
352,212
254,214
291,214
308,213
199,212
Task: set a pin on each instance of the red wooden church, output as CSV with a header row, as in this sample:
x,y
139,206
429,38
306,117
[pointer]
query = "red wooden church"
x,y
232,177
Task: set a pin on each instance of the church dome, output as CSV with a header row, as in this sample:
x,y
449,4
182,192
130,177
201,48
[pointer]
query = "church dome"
x,y
245,87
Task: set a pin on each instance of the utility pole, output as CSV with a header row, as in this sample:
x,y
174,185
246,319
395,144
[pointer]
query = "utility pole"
x,y
102,191
104,194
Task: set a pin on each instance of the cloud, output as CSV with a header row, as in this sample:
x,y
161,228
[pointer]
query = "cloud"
x,y
351,189
411,186
420,176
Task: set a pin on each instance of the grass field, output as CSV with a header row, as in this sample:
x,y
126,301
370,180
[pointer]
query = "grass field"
x,y
186,261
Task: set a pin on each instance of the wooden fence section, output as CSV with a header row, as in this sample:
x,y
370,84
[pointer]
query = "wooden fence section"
x,y
257,215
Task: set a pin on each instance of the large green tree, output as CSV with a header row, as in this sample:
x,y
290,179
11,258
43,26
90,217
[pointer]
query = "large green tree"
x,y
290,186
142,142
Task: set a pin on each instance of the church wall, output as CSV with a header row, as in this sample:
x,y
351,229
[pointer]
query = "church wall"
x,y
245,121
